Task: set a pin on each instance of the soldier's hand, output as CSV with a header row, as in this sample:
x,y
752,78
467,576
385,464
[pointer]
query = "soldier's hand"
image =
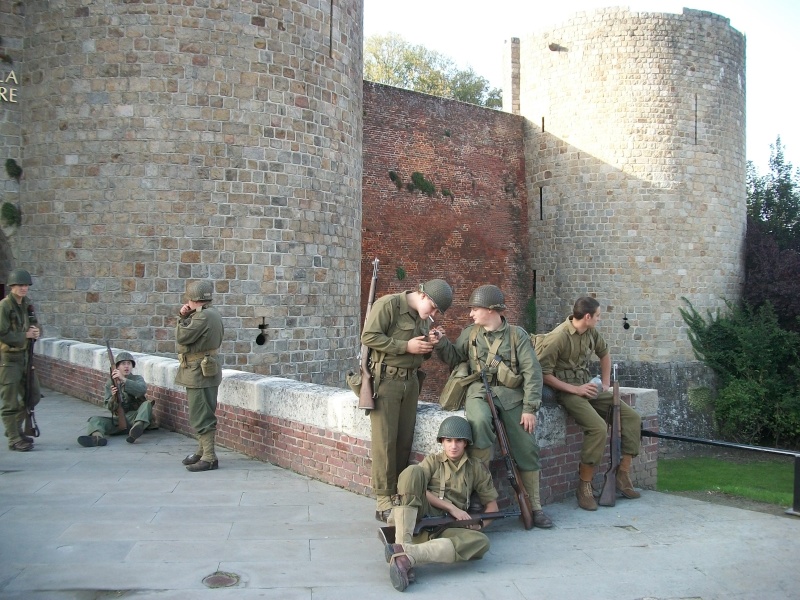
x,y
32,333
587,390
419,345
528,422
185,310
460,515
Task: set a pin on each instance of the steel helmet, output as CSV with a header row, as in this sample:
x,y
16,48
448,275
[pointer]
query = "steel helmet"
x,y
124,356
455,428
19,277
200,291
488,296
439,291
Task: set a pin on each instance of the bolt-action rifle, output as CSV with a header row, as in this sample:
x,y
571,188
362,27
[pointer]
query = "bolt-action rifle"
x,y
32,392
608,495
435,525
122,422
511,465
366,399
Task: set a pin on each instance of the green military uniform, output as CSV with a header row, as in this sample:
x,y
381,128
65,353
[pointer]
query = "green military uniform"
x,y
198,337
390,325
511,402
454,482
565,354
14,324
134,403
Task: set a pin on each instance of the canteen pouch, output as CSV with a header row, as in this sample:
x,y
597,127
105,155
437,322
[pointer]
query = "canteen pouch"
x,y
209,366
507,377
354,382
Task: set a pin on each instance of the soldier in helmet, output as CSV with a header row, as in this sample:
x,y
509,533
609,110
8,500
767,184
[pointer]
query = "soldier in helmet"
x,y
198,336
138,409
397,331
440,485
515,377
18,328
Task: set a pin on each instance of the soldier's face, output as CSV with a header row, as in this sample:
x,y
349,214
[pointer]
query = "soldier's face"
x,y
125,367
20,291
454,448
480,315
427,307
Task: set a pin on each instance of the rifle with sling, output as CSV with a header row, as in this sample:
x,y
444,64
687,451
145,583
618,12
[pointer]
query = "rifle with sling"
x,y
608,495
366,397
30,426
505,450
122,421
435,525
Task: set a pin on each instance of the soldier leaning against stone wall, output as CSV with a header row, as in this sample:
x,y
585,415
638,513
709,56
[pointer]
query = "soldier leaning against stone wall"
x,y
18,329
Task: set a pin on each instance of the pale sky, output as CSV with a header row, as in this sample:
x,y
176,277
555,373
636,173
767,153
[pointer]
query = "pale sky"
x,y
472,32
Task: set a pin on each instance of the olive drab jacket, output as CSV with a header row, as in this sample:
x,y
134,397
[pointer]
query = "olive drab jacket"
x,y
14,324
198,337
566,354
455,482
133,394
476,341
390,325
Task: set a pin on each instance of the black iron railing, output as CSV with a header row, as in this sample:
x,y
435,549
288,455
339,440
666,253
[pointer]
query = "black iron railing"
x,y
795,510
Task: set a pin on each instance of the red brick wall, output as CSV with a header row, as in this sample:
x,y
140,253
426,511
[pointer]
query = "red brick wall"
x,y
328,456
476,154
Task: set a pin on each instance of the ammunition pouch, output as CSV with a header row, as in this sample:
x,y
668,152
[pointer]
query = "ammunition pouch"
x,y
507,378
209,366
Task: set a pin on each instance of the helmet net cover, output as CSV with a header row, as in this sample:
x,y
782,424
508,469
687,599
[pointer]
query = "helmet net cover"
x,y
456,428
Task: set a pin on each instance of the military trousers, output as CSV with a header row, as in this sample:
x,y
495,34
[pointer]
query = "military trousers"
x,y
392,424
202,408
524,446
108,425
591,415
412,485
13,410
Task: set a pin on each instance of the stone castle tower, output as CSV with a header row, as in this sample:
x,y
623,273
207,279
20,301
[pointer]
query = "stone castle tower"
x,y
166,141
635,150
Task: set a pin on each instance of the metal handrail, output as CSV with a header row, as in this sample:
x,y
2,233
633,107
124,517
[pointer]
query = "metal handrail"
x,y
795,510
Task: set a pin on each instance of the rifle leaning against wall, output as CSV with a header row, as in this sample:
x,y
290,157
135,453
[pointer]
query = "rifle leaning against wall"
x,y
32,392
526,514
366,396
122,421
608,495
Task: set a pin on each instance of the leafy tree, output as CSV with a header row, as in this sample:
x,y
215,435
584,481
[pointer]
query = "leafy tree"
x,y
392,60
756,363
773,201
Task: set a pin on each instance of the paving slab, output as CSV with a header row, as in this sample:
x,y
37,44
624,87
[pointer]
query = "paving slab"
x,y
128,521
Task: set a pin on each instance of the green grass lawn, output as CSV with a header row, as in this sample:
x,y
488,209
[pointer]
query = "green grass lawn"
x,y
763,481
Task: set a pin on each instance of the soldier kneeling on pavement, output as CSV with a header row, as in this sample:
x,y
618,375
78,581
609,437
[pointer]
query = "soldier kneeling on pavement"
x,y
138,409
440,485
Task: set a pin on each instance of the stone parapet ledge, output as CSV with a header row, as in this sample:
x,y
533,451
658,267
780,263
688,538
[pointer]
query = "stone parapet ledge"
x,y
312,429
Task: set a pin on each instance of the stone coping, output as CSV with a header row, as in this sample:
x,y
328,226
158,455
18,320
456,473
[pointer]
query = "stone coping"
x,y
333,409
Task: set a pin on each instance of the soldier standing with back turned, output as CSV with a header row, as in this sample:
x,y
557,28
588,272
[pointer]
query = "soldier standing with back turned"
x,y
198,336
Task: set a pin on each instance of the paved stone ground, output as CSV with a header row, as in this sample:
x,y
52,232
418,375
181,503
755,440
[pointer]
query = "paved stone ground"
x,y
128,521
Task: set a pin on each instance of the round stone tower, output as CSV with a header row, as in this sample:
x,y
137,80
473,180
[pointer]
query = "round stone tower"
x,y
636,171
168,141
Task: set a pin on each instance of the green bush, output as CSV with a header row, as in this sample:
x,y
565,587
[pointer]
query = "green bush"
x,y
756,363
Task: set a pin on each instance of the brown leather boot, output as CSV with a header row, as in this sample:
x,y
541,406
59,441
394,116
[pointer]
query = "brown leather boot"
x,y
585,494
624,483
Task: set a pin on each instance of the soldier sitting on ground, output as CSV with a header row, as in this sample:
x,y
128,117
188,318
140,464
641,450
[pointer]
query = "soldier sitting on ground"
x,y
138,409
440,485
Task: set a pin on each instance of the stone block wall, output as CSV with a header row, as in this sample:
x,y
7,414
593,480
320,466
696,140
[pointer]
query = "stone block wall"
x,y
317,430
635,137
172,141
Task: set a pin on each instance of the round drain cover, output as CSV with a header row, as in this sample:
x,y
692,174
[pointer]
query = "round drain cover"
x,y
221,579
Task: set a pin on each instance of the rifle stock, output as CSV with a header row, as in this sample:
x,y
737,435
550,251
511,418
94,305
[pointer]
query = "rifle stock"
x,y
30,427
526,514
608,495
438,524
366,398
122,421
